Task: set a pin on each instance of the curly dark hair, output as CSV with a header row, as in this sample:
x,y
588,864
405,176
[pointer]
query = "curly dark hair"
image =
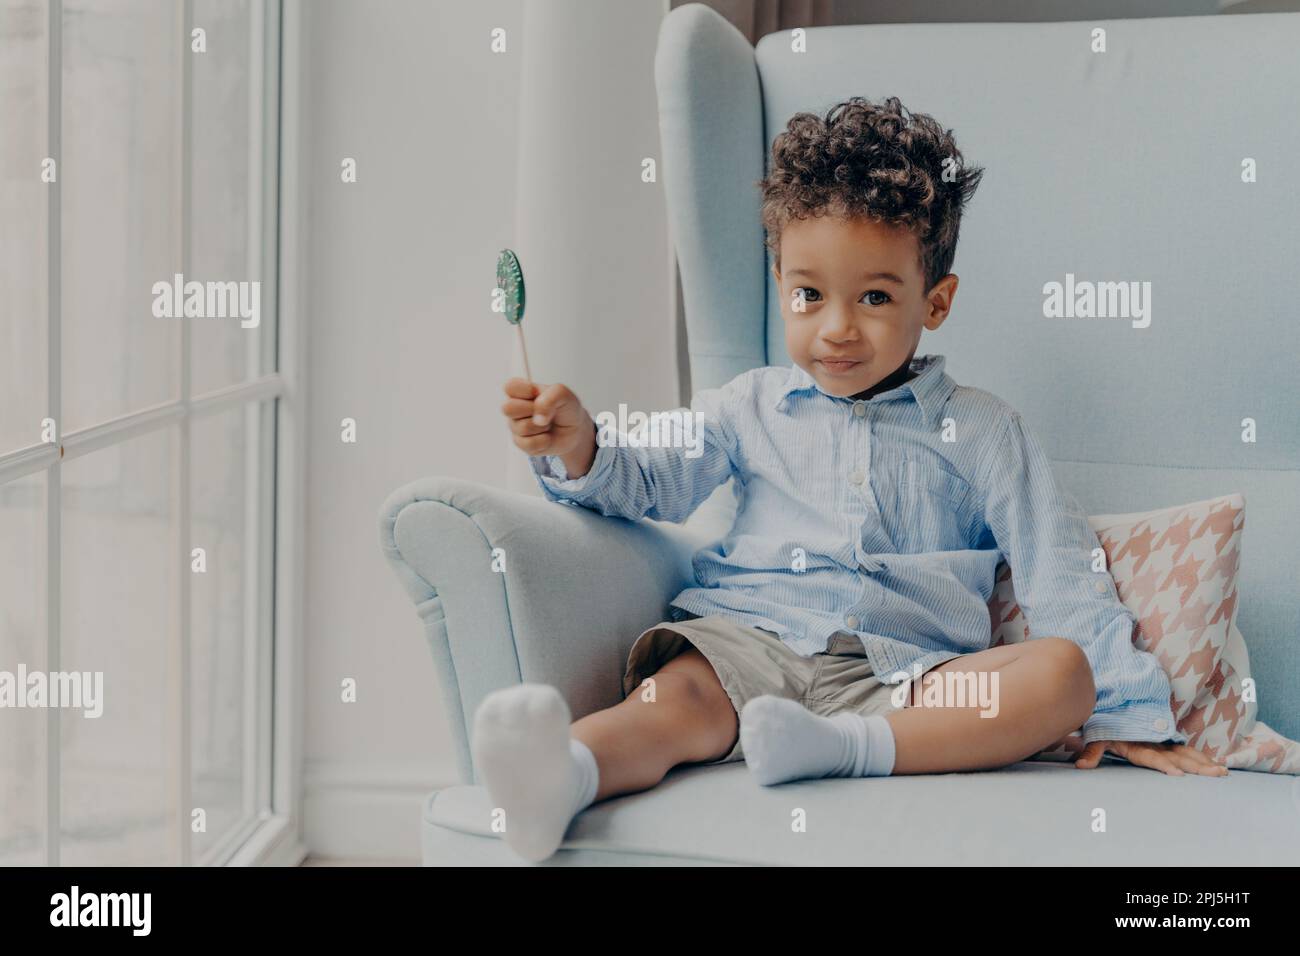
x,y
874,161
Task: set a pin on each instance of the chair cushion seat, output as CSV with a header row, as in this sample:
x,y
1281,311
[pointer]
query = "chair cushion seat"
x,y
1031,813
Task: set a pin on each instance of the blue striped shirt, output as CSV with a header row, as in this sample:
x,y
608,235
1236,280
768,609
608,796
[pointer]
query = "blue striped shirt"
x,y
886,517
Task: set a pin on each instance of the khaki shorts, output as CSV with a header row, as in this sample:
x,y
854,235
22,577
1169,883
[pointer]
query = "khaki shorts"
x,y
752,661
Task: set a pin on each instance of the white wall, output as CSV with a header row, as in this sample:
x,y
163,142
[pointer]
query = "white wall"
x,y
400,267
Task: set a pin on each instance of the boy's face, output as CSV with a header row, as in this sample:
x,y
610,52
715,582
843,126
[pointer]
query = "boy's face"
x,y
864,299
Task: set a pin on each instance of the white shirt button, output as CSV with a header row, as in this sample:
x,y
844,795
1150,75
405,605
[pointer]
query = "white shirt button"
x,y
859,408
1160,724
851,622
1099,586
857,477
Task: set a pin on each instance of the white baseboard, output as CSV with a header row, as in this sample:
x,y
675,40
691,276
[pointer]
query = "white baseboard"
x,y
275,842
360,812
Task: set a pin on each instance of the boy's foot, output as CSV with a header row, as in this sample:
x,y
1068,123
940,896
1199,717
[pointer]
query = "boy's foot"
x,y
782,741
531,768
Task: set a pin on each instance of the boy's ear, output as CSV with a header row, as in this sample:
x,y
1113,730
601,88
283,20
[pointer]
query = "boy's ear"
x,y
940,301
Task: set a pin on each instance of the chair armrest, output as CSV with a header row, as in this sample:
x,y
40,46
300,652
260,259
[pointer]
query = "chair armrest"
x,y
575,591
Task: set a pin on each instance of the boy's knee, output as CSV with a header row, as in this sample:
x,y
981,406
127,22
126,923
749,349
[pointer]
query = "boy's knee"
x,y
1071,676
690,681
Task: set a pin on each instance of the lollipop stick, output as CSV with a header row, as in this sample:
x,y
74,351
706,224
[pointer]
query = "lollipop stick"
x,y
523,348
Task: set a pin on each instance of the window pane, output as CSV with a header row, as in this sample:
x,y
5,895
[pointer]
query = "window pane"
x,y
226,477
223,351
121,83
24,116
119,601
22,642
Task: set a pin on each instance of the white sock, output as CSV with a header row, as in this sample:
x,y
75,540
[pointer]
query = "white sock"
x,y
531,767
782,740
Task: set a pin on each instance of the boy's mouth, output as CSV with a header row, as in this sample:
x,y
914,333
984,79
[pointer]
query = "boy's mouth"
x,y
838,366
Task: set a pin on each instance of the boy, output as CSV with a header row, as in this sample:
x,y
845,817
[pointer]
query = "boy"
x,y
876,498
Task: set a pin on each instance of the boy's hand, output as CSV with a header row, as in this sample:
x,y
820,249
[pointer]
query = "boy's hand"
x,y
1173,759
551,421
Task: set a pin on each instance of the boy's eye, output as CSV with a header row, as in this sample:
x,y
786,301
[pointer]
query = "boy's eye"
x,y
809,294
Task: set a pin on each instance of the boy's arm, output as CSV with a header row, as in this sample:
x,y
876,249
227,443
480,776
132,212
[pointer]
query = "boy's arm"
x,y
1045,537
664,483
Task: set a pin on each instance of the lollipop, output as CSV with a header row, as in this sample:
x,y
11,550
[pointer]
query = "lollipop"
x,y
510,280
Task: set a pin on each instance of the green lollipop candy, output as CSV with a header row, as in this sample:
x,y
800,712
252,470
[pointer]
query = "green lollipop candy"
x,y
510,280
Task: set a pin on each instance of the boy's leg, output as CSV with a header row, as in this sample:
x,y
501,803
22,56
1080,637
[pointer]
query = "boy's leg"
x,y
1040,690
689,719
541,770
1044,690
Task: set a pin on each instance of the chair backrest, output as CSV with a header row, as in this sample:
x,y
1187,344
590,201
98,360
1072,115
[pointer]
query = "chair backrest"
x,y
1166,159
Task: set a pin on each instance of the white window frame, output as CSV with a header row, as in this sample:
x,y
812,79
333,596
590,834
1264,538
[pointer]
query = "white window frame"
x,y
279,840
273,747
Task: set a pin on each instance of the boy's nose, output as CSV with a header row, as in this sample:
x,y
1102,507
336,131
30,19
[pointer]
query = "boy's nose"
x,y
840,333
838,324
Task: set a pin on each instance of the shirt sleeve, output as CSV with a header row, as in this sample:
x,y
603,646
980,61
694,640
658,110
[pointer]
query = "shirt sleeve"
x,y
1043,533
663,469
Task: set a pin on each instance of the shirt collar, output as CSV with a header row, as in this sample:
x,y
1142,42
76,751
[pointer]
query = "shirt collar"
x,y
930,387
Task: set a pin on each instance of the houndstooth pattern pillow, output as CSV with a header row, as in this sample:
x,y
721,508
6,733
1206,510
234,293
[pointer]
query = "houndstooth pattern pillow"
x,y
1176,570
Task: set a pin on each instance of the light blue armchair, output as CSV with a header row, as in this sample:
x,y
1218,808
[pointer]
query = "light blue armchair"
x,y
1116,166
